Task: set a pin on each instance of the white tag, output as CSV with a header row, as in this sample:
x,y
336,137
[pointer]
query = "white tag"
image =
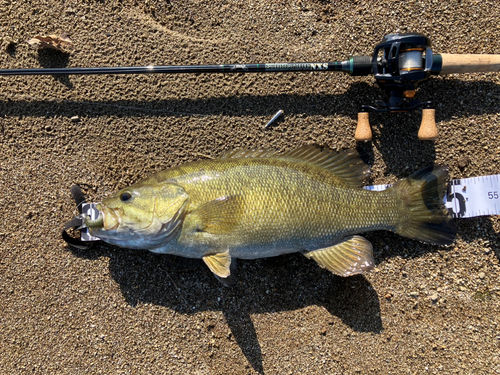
x,y
468,197
377,187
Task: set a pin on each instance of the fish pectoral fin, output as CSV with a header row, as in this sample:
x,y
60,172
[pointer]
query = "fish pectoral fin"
x,y
354,255
219,216
219,264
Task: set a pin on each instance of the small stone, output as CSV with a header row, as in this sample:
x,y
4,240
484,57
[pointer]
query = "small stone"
x,y
414,294
481,275
434,297
75,119
462,162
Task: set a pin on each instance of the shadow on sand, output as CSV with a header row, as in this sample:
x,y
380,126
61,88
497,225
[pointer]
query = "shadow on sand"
x,y
275,284
263,286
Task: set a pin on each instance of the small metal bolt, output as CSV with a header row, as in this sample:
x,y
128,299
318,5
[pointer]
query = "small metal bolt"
x,y
278,114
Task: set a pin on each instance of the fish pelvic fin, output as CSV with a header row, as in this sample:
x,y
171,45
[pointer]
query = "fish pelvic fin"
x,y
352,256
219,264
229,281
424,215
346,165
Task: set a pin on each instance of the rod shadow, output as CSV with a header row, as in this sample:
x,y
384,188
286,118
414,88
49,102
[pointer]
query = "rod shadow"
x,y
452,97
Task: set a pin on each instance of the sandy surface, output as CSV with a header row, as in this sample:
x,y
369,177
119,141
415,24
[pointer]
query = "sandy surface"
x,y
424,309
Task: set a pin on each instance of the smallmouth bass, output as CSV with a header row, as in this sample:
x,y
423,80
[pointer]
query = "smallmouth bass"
x,y
251,204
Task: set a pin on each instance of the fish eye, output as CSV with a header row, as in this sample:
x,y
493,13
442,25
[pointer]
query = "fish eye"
x,y
125,196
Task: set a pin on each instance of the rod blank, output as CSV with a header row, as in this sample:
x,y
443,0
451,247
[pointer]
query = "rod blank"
x,y
230,68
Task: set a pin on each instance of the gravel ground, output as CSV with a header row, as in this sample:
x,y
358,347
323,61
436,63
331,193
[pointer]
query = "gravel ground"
x,y
424,309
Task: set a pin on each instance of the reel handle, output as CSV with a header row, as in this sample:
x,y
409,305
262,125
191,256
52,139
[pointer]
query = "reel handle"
x,y
428,130
363,130
452,63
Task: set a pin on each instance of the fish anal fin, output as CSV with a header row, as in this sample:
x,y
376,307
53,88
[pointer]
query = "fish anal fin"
x,y
219,264
219,216
352,256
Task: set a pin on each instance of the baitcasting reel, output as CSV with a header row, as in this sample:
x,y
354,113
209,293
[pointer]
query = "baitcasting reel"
x,y
399,63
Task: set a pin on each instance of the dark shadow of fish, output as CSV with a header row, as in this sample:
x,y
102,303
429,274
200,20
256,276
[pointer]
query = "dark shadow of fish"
x,y
263,286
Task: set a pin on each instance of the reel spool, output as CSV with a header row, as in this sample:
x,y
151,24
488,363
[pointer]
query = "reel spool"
x,y
399,63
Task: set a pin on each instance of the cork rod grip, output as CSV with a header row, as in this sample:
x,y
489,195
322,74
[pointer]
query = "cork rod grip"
x,y
469,63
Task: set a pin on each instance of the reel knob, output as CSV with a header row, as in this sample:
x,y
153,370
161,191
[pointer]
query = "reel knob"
x,y
428,130
363,130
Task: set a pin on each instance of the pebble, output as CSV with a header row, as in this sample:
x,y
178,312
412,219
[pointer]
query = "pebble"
x,y
463,162
434,297
75,119
481,275
414,294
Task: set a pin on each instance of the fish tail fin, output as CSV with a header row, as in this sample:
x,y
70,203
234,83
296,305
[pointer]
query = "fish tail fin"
x,y
424,215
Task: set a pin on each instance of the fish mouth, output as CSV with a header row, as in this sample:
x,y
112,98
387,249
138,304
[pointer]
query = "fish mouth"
x,y
107,220
111,223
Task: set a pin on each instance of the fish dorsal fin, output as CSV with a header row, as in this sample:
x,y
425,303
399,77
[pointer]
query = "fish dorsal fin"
x,y
219,216
219,264
244,153
352,256
345,165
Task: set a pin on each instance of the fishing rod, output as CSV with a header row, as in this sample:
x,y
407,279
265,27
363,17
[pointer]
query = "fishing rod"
x,y
399,64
